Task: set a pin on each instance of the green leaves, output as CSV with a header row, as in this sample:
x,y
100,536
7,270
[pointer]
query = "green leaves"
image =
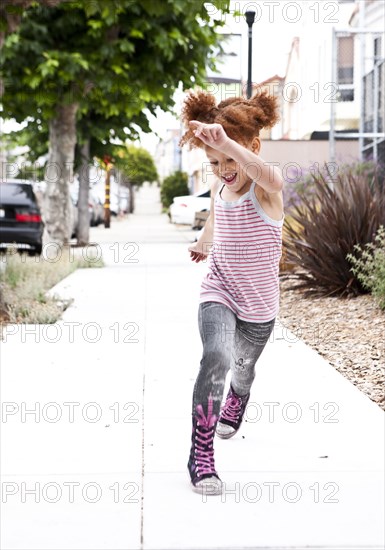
x,y
126,46
369,266
95,24
174,185
49,67
136,33
136,164
155,9
116,59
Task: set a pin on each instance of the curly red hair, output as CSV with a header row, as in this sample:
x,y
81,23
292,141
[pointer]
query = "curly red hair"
x,y
242,119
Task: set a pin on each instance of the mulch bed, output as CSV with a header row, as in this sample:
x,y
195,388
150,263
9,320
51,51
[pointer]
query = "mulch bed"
x,y
348,332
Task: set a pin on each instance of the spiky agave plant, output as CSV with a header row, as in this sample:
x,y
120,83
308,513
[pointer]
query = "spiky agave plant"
x,y
337,216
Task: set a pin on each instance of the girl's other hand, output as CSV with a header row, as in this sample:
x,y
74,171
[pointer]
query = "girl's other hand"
x,y
197,254
211,134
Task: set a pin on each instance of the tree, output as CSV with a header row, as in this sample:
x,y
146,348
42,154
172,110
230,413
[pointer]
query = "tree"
x,y
174,185
114,58
135,166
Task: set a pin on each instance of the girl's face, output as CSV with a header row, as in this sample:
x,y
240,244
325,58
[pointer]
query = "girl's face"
x,y
227,170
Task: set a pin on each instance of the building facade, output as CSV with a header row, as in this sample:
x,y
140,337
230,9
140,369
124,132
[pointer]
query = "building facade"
x,y
369,16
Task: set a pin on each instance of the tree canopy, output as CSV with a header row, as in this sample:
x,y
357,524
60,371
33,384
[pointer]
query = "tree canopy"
x,y
112,57
136,164
89,69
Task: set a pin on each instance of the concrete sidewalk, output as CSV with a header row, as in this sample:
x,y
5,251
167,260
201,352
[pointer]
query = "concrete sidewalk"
x,y
101,463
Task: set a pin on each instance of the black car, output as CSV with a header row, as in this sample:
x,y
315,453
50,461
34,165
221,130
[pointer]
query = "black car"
x,y
20,217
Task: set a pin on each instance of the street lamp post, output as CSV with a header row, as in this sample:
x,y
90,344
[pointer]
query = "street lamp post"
x,y
250,16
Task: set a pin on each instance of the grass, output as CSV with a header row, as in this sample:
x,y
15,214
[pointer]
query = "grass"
x,y
25,281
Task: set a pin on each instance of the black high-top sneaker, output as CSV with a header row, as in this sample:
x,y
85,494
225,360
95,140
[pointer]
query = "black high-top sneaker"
x,y
230,418
201,467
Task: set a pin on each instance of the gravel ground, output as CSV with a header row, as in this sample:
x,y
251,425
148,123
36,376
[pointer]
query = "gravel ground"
x,y
348,333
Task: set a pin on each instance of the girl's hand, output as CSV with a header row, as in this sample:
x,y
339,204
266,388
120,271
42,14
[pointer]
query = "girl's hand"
x,y
197,255
211,134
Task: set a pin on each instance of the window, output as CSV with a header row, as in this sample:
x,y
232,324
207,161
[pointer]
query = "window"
x,y
345,68
345,75
345,59
346,95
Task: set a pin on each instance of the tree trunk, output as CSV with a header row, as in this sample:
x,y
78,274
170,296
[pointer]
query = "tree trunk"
x,y
83,232
59,173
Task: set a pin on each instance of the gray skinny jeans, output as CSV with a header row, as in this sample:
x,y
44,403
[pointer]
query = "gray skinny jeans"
x,y
228,343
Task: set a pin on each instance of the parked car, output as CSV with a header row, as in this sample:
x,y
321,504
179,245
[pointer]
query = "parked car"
x,y
119,199
183,209
96,208
20,217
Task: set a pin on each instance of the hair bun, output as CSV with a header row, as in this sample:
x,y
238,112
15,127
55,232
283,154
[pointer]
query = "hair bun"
x,y
265,108
199,106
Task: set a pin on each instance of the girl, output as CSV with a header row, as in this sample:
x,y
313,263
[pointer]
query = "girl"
x,y
239,296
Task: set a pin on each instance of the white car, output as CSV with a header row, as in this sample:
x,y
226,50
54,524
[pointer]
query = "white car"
x,y
183,209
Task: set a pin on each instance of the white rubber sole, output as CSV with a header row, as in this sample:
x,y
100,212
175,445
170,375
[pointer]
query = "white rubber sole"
x,y
224,431
210,486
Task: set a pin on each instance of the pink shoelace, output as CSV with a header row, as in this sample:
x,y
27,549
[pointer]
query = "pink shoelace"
x,y
204,437
232,408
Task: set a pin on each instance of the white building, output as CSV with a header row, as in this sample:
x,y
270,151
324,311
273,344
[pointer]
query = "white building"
x,y
309,87
168,154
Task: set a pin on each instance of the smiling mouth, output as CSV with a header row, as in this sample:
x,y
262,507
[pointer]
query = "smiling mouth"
x,y
229,178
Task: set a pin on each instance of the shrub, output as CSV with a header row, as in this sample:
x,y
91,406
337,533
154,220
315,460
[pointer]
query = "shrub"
x,y
369,266
175,185
330,222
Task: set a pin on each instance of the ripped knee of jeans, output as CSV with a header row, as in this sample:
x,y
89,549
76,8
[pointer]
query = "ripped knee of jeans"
x,y
240,364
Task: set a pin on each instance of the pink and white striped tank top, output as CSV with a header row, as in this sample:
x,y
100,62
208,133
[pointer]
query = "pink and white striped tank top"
x,y
244,259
